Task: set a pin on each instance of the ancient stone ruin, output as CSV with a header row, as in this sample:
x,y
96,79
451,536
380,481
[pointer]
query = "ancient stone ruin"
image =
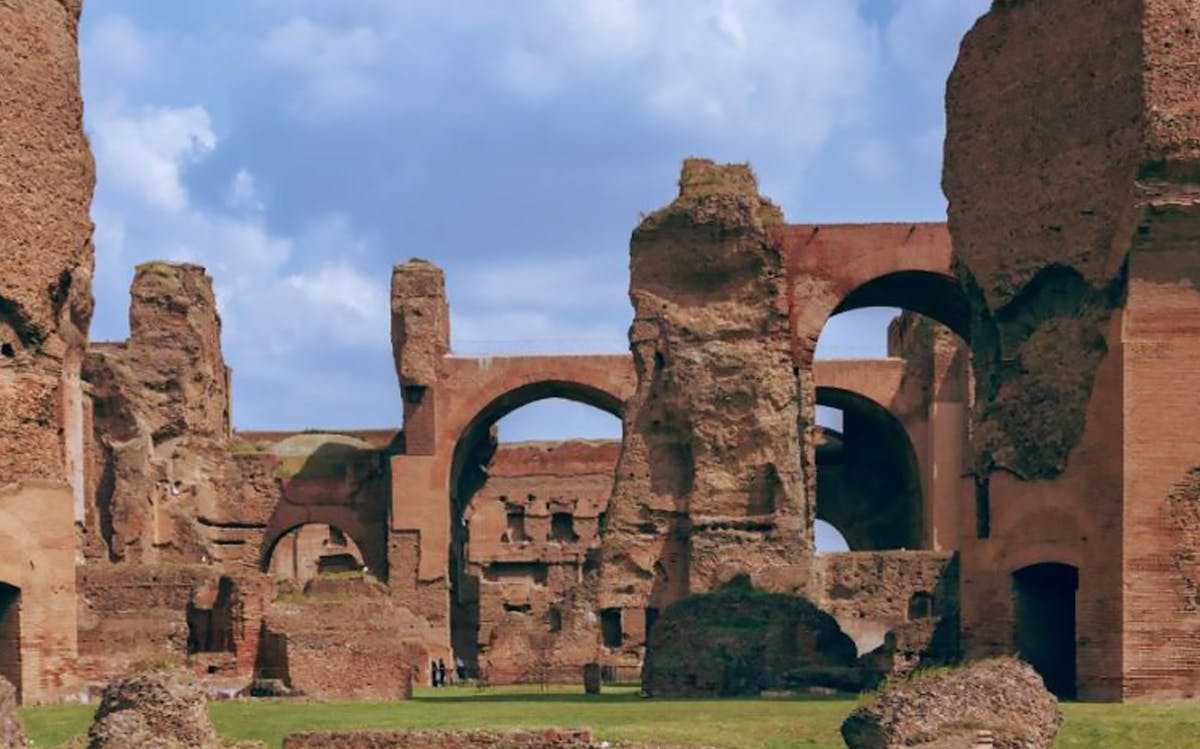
x,y
950,708
1017,476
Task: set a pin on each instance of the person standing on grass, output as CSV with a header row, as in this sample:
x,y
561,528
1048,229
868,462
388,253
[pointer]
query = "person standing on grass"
x,y
460,668
441,672
433,675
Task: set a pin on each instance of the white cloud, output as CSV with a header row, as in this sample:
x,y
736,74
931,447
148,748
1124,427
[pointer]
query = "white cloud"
x,y
337,68
243,192
354,307
275,292
776,68
144,151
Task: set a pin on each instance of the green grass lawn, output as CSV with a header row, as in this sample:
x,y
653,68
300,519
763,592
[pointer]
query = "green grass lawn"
x,y
620,714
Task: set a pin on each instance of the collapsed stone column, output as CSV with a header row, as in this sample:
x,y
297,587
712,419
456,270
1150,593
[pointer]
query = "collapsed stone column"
x,y
709,483
46,264
1072,166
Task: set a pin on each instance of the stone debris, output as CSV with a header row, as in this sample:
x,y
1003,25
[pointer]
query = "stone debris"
x,y
949,708
153,710
12,732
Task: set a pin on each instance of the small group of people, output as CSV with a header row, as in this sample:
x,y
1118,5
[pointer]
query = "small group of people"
x,y
437,671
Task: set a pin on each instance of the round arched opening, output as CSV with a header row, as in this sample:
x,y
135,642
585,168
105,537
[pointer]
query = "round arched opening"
x,y
931,295
314,550
868,484
530,482
10,635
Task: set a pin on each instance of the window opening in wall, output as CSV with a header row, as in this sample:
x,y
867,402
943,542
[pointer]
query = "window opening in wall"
x,y
516,526
336,537
920,606
610,627
7,350
562,527
554,619
983,507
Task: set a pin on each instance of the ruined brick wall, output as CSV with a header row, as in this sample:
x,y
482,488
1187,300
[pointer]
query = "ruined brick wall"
x,y
710,472
133,616
532,528
335,480
130,614
1082,285
357,644
902,603
46,262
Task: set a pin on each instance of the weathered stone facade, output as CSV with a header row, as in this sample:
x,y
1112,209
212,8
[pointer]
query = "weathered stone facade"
x,y
1040,498
45,308
1082,284
711,481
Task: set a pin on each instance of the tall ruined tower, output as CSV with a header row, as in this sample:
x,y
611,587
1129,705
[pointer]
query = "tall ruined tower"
x,y
46,182
709,482
162,425
1072,169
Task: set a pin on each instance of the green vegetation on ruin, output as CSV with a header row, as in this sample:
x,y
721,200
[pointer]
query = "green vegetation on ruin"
x,y
619,714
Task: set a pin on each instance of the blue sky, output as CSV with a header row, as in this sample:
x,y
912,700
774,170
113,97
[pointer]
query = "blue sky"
x,y
298,149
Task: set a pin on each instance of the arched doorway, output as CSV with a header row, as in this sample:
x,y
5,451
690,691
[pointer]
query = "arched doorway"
x,y
10,635
311,550
1044,614
868,484
520,528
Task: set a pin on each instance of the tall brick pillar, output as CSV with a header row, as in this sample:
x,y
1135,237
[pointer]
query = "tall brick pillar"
x,y
419,534
46,181
1072,169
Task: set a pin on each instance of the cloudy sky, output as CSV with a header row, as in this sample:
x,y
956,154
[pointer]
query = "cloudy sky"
x,y
300,148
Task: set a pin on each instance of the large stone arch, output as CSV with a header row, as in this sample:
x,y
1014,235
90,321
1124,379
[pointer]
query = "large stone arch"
x,y
472,451
872,492
835,268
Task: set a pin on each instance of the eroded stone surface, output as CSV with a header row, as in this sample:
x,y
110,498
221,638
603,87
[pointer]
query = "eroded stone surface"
x,y
155,710
12,731
162,428
936,708
46,260
709,482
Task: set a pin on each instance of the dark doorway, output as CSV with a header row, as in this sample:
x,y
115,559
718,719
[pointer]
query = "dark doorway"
x,y
10,635
1044,604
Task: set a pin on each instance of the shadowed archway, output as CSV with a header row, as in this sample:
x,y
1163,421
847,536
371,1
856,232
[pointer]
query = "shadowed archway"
x,y
868,484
